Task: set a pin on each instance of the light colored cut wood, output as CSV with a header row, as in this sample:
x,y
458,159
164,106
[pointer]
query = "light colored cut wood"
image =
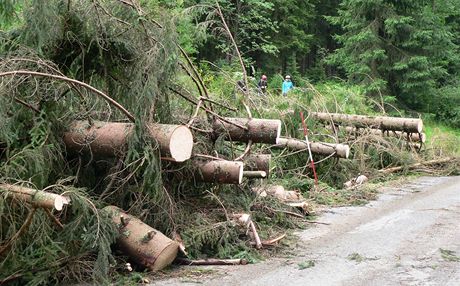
x,y
35,197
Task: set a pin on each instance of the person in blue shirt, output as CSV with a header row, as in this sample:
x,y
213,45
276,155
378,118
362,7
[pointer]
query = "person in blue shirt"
x,y
287,85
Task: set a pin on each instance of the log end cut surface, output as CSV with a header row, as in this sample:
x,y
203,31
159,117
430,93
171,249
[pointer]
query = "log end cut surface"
x,y
181,144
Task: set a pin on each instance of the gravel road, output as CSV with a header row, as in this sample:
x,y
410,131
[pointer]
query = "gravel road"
x,y
409,236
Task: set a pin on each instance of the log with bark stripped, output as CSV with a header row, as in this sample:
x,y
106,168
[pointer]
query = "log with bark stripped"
x,y
144,244
339,150
410,125
219,171
256,130
110,138
34,197
412,137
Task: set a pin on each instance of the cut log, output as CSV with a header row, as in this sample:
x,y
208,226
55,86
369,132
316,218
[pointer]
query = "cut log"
x,y
258,130
259,162
110,139
34,197
412,137
339,150
255,174
219,171
410,125
144,244
210,261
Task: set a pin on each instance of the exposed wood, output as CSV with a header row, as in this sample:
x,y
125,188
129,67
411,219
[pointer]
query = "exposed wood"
x,y
246,221
258,130
35,197
111,138
272,242
410,125
219,171
211,261
413,137
339,150
359,180
258,162
255,174
413,166
278,192
144,244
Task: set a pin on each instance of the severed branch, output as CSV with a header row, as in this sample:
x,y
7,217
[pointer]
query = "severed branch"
x,y
210,261
23,229
73,81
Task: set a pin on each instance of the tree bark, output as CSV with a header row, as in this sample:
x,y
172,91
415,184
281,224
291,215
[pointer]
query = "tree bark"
x,y
340,150
219,171
144,244
111,139
259,162
258,130
35,197
409,125
412,137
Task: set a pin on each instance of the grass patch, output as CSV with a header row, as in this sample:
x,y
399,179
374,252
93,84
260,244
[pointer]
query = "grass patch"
x,y
306,264
449,255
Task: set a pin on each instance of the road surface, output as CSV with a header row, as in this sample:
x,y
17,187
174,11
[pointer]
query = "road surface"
x,y
409,236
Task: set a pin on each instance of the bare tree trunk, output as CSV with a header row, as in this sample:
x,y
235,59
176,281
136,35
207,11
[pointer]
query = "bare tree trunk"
x,y
340,150
144,244
410,125
258,130
35,197
111,139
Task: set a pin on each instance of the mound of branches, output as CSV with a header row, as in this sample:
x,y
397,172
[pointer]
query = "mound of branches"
x,y
109,61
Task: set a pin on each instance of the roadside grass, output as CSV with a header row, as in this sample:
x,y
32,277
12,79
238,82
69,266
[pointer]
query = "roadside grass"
x,y
449,255
306,264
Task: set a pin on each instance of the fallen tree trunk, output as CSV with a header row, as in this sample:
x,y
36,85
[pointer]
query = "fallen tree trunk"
x,y
111,138
257,130
144,244
219,171
412,137
35,197
211,261
410,125
322,148
259,162
413,166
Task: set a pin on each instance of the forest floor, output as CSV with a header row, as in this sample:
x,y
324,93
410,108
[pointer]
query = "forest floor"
x,y
409,236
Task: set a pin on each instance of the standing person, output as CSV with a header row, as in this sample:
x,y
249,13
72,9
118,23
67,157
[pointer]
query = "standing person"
x,y
262,84
287,85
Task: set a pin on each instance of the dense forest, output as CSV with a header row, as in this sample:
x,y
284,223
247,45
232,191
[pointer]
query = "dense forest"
x,y
135,70
405,50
